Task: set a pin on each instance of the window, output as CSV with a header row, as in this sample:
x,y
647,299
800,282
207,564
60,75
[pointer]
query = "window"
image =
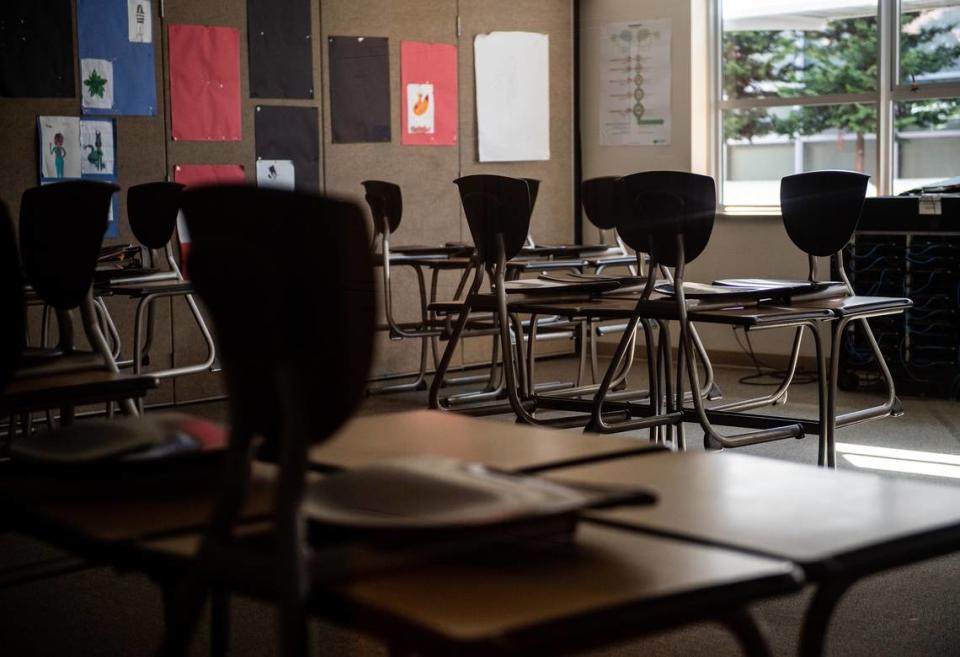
x,y
836,84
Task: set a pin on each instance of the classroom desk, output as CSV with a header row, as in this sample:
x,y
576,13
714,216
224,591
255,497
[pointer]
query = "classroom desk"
x,y
503,445
546,597
41,393
837,526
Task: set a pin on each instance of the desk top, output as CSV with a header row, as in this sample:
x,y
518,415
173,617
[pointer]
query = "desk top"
x,y
503,445
43,392
605,584
817,518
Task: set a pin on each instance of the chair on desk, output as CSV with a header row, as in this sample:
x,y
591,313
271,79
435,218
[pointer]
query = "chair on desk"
x,y
61,230
498,212
820,211
30,382
152,209
385,201
670,216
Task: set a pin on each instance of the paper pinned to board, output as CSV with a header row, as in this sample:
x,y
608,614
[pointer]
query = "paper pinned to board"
x,y
36,49
635,83
59,147
276,174
97,144
201,174
293,134
117,57
280,52
204,83
359,89
513,96
428,82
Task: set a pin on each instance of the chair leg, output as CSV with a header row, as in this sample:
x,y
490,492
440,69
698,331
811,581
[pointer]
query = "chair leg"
x,y
748,633
444,364
183,602
816,621
219,624
293,630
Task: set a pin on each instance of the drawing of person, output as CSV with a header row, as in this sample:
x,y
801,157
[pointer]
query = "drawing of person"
x,y
59,152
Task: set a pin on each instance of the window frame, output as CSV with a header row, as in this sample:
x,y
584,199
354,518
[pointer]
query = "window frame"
x,y
889,91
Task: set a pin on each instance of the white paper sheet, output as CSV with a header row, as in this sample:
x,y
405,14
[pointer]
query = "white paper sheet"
x,y
635,89
96,83
278,174
420,109
60,146
139,21
96,142
513,96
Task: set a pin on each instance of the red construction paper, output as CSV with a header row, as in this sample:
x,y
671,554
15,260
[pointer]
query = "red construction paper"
x,y
205,82
434,64
202,174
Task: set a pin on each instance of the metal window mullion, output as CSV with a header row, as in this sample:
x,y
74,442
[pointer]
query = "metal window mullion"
x,y
888,58
717,158
832,99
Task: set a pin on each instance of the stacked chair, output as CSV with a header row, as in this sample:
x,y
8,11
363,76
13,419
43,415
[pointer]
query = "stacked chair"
x,y
498,211
61,230
152,209
385,201
669,216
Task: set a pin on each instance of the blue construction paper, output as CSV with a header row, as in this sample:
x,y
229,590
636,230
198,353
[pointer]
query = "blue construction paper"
x,y
103,34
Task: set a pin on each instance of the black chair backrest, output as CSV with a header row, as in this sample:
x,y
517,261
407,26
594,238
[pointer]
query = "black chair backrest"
x,y
657,206
152,209
496,205
296,341
534,186
61,230
13,326
821,209
386,202
600,204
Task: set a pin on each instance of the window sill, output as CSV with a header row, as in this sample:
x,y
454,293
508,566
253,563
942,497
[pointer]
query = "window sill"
x,y
746,212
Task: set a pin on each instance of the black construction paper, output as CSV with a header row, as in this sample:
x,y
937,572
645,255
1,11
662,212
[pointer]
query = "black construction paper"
x,y
281,59
291,133
359,89
36,49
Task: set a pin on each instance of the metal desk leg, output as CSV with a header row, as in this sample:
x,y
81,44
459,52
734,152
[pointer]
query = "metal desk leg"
x,y
748,633
816,622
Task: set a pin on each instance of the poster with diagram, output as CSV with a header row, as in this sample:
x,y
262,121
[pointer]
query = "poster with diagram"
x,y
635,83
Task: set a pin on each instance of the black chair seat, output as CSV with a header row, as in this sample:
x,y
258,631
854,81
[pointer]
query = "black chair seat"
x,y
545,265
39,362
104,275
855,306
447,250
154,287
612,261
554,287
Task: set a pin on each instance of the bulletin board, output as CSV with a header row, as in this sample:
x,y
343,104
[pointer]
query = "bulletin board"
x,y
432,211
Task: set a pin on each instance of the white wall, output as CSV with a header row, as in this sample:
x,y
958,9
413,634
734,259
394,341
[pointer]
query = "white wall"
x,y
743,246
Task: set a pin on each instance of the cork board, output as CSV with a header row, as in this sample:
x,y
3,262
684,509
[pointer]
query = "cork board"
x,y
431,206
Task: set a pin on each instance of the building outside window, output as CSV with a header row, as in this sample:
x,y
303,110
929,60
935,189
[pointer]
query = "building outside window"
x,y
836,84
